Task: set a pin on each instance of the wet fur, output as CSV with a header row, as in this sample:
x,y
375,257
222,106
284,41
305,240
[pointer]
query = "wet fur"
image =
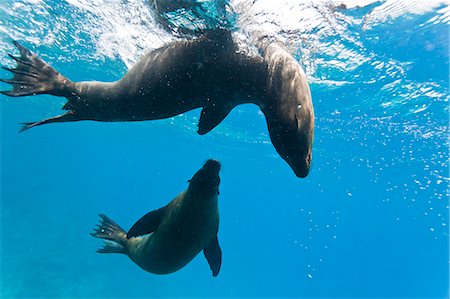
x,y
207,72
165,240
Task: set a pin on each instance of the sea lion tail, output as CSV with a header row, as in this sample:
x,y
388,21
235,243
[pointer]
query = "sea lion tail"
x,y
115,238
34,76
68,116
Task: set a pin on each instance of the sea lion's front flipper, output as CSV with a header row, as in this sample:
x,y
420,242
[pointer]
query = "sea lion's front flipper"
x,y
213,255
147,224
211,116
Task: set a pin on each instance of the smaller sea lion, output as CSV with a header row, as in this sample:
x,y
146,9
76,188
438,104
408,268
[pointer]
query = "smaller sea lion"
x,y
167,239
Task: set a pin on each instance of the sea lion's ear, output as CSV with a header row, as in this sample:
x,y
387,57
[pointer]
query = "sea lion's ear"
x,y
213,255
147,224
211,116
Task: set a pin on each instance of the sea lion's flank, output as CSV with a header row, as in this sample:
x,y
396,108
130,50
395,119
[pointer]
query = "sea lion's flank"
x,y
207,72
165,240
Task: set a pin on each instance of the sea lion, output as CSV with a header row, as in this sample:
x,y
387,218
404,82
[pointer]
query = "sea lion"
x,y
206,72
167,239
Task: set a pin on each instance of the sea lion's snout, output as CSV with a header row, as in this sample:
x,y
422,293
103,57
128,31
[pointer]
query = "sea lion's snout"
x,y
302,168
207,178
302,172
208,175
212,167
295,148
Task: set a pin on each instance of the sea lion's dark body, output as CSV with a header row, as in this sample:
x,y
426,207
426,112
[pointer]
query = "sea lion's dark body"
x,y
165,240
172,80
182,234
207,72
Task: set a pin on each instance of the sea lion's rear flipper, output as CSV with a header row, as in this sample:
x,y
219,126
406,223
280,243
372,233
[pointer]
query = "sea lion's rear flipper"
x,y
113,235
68,116
33,76
213,255
147,224
211,116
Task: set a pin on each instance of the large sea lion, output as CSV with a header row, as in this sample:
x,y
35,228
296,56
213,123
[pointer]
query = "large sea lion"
x,y
206,72
165,240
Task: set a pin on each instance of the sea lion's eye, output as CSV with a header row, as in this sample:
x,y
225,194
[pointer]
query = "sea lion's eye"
x,y
299,107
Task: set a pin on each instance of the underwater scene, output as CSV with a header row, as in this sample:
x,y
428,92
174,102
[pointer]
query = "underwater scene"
x,y
247,149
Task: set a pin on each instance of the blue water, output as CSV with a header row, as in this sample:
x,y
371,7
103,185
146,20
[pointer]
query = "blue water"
x,y
370,221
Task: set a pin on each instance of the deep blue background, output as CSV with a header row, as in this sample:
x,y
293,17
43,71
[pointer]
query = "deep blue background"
x,y
371,219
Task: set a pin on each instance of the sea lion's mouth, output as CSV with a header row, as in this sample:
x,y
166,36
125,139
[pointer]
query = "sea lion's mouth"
x,y
304,168
212,167
207,179
209,172
301,173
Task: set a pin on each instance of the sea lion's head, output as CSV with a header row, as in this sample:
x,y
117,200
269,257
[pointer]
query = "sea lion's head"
x,y
289,109
294,144
292,136
207,179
